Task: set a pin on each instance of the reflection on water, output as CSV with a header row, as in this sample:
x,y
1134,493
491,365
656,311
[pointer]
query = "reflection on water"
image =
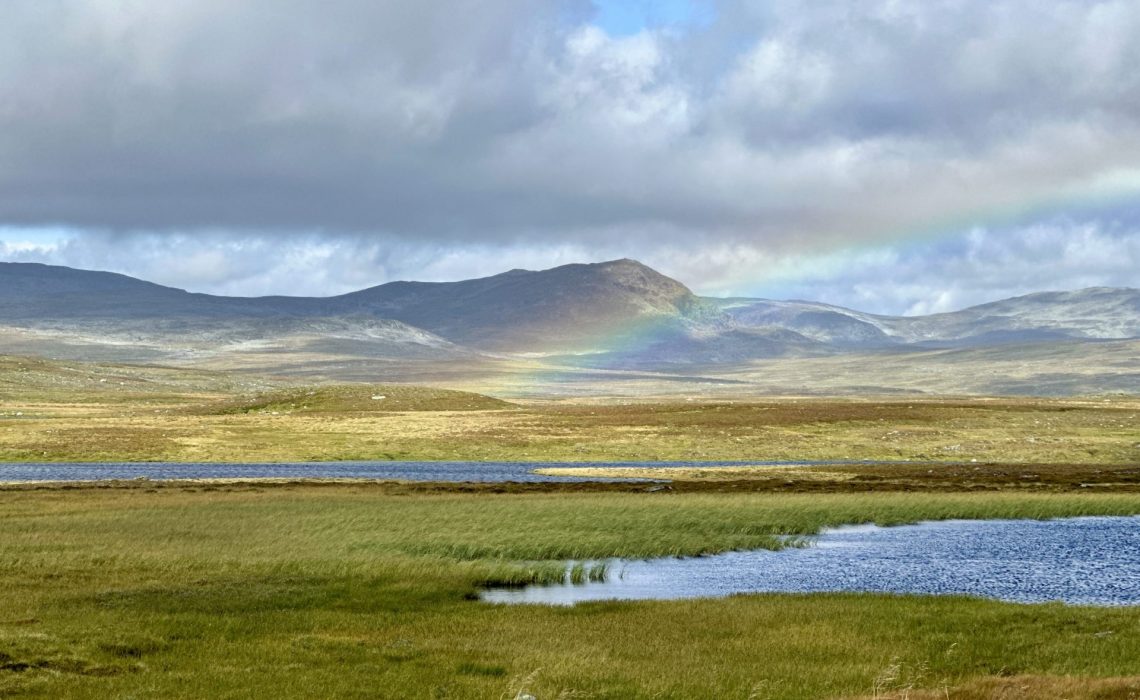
x,y
1088,561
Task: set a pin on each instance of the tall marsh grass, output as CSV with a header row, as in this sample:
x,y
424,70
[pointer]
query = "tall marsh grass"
x,y
468,539
347,591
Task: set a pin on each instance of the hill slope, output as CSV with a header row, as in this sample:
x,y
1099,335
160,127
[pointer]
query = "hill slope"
x,y
568,308
1097,312
1101,313
612,315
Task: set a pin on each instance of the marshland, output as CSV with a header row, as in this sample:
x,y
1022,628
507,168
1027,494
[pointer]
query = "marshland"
x,y
238,587
192,590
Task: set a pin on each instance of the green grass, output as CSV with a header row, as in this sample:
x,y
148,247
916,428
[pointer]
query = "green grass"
x,y
359,591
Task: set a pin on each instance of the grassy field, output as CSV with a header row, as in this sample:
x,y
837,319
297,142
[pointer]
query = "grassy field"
x,y
71,411
160,591
298,590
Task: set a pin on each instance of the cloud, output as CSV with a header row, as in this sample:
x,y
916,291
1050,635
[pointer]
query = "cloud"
x,y
293,264
974,267
945,273
390,138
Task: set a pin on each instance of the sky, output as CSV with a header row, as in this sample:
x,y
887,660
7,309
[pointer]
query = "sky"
x,y
891,156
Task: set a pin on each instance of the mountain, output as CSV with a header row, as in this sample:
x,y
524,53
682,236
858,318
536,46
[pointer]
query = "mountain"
x,y
617,315
569,308
576,307
1101,313
831,325
1097,312
35,292
82,313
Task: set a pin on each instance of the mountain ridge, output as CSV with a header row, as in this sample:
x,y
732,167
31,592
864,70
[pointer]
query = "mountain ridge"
x,y
618,313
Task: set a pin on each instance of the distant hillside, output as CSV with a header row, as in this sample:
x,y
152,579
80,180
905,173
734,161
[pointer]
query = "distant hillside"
x,y
573,307
30,291
831,325
568,308
1100,313
617,315
121,318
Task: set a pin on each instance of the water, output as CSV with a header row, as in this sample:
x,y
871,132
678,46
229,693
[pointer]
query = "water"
x,y
1085,561
412,471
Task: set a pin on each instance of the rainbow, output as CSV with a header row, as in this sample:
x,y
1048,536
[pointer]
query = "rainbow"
x,y
1112,192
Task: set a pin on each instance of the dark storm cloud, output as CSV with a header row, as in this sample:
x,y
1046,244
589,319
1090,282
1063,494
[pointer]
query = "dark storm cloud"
x,y
259,114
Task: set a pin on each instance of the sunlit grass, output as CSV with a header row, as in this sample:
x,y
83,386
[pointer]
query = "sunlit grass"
x,y
71,411
352,399
303,591
346,423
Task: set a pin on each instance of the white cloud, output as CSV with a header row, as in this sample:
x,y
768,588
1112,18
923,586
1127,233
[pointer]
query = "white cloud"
x,y
981,265
922,276
264,140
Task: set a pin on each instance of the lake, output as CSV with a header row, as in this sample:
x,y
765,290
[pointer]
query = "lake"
x,y
412,471
1083,561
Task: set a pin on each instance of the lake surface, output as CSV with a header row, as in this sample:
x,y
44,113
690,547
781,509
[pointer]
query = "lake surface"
x,y
1085,561
413,471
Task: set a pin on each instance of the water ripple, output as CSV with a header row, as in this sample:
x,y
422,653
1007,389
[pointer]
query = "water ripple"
x,y
1086,561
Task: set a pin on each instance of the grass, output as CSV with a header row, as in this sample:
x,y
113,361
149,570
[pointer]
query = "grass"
x,y
166,590
897,476
354,399
362,590
320,423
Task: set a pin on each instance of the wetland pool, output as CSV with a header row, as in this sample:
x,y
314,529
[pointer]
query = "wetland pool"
x,y
1080,561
